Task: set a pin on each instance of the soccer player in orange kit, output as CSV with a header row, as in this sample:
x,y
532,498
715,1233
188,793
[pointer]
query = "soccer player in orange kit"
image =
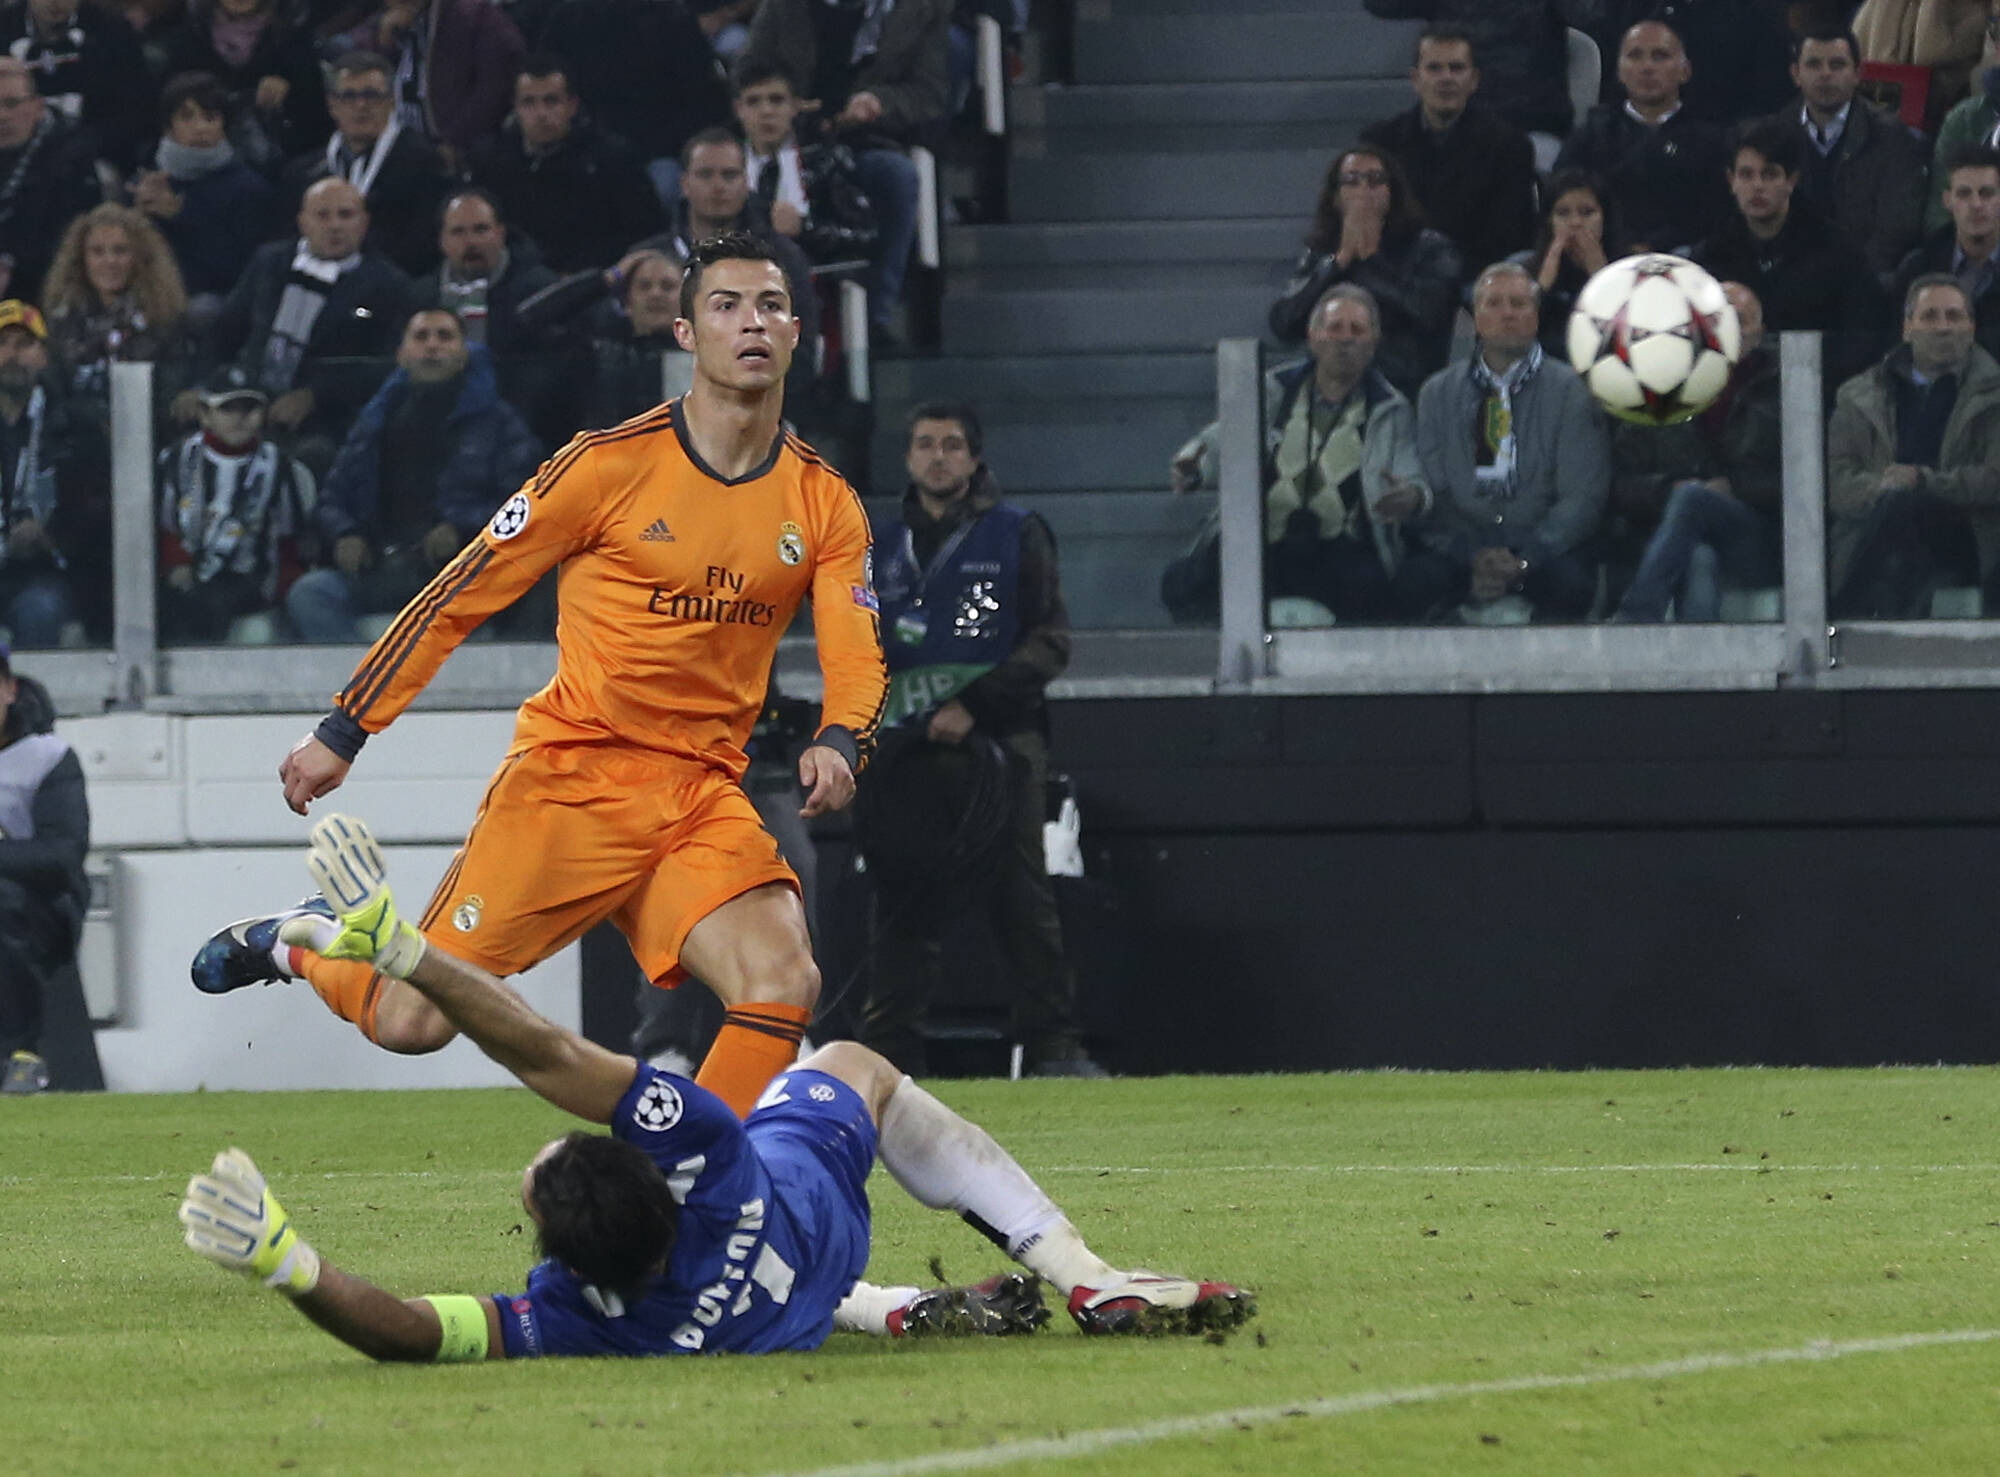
x,y
687,538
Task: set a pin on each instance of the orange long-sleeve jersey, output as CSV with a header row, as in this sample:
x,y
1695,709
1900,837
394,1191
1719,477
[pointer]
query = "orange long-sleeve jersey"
x,y
676,584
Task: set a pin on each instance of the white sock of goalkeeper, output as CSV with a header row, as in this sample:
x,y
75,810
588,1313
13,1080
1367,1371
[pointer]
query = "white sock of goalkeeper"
x,y
948,1163
866,1308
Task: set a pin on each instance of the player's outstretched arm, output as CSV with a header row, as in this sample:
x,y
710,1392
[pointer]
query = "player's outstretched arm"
x,y
234,1220
575,1074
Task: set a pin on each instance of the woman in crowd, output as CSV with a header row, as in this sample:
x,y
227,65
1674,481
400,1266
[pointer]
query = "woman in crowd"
x,y
1576,240
113,294
1369,230
627,359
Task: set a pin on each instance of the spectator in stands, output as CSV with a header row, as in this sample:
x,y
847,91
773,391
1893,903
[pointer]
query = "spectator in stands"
x,y
1368,229
1516,456
1663,166
716,199
813,193
89,70
426,463
212,208
396,169
1944,35
313,318
975,630
1577,238
645,72
1913,464
272,92
881,76
1341,478
581,194
55,494
44,836
1968,248
1523,51
1738,50
452,65
486,277
1799,266
635,360
1471,171
628,359
1718,479
1973,123
1863,170
233,509
46,179
113,294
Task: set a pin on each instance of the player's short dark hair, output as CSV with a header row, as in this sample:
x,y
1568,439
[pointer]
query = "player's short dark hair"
x,y
1825,32
757,73
544,64
1979,156
202,89
731,246
1777,140
606,1212
358,63
1444,35
715,135
949,410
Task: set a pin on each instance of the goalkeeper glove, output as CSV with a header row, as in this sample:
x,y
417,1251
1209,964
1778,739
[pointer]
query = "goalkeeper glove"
x,y
234,1220
348,867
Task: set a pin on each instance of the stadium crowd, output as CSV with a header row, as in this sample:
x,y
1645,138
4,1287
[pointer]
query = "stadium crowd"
x,y
1404,485
384,257
263,198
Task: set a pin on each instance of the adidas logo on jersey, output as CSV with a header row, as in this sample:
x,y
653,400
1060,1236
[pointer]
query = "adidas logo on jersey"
x,y
657,533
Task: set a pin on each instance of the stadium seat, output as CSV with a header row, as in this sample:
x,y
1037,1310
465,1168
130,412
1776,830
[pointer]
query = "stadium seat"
x,y
1766,603
1957,603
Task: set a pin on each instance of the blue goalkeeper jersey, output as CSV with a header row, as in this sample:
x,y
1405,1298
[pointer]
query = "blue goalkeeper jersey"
x,y
773,1227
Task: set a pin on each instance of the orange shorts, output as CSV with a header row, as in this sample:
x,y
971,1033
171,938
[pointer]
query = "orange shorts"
x,y
569,835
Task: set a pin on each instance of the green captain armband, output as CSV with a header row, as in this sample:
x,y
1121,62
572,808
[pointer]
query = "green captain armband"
x,y
465,1333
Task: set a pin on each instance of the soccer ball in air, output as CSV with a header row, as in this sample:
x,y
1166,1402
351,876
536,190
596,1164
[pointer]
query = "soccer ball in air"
x,y
1654,338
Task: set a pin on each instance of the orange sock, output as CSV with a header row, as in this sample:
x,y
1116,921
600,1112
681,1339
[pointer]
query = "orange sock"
x,y
350,988
755,1044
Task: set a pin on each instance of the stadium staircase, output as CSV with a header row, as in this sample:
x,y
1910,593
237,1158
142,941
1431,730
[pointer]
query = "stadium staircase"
x,y
1155,206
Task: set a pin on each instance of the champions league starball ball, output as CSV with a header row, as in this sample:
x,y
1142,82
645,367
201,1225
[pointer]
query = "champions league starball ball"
x,y
1654,338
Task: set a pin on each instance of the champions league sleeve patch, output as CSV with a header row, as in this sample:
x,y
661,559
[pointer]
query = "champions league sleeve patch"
x,y
659,1107
865,598
511,519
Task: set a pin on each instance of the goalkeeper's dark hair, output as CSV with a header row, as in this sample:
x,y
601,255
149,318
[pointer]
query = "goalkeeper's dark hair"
x,y
731,246
606,1212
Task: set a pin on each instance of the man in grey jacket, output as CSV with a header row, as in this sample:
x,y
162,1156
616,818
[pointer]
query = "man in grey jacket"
x,y
1519,460
1913,464
1340,477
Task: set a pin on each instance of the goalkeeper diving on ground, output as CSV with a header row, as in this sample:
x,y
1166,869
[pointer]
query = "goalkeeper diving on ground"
x,y
686,1230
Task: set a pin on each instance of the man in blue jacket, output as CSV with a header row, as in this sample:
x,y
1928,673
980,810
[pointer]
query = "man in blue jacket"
x,y
426,463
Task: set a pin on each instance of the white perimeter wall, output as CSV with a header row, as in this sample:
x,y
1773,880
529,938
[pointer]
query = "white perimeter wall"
x,y
188,819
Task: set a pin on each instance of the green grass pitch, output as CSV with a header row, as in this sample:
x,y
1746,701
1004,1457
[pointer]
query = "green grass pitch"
x,y
1690,1272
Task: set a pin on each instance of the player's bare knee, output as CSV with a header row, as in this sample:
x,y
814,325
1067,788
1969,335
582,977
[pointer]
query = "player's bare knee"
x,y
868,1072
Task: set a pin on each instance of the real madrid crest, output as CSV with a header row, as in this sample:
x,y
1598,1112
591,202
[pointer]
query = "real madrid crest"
x,y
791,543
465,917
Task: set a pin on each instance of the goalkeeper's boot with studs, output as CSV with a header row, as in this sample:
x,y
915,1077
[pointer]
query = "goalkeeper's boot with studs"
x,y
1005,1304
242,954
1147,1303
